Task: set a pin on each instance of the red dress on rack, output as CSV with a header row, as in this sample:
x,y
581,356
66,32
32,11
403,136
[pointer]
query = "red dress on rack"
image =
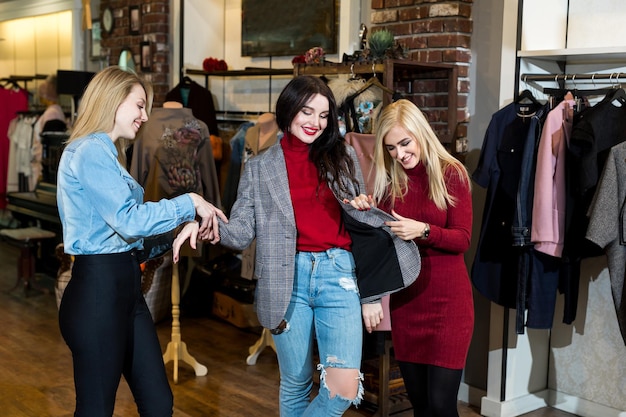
x,y
433,319
13,101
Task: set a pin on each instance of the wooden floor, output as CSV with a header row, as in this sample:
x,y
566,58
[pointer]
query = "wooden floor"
x,y
36,369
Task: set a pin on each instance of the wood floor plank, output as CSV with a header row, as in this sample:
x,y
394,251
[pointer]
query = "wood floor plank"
x,y
36,368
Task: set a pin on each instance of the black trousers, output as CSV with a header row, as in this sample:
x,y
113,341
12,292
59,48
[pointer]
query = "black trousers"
x,y
106,323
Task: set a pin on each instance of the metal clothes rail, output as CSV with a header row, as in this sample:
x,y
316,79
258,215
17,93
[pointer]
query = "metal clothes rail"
x,y
613,77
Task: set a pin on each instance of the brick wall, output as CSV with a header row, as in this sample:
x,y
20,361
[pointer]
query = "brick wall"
x,y
432,31
154,28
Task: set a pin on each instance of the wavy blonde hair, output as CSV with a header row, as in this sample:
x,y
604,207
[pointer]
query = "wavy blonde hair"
x,y
390,179
101,99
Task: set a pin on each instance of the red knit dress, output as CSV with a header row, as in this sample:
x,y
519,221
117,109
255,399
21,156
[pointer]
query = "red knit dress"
x,y
433,319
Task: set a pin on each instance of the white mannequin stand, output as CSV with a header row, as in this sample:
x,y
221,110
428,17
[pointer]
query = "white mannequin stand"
x,y
177,349
255,350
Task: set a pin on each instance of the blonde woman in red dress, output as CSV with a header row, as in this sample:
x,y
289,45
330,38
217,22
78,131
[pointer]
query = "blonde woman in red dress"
x,y
427,190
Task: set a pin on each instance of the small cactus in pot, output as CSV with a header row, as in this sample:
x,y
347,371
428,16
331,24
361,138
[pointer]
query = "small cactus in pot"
x,y
379,42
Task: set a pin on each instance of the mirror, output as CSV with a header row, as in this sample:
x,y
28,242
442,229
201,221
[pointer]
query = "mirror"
x,y
126,59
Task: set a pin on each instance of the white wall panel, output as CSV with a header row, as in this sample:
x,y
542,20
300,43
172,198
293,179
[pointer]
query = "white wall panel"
x,y
596,23
544,24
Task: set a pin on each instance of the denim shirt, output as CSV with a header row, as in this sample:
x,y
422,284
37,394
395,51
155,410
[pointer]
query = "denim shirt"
x,y
101,205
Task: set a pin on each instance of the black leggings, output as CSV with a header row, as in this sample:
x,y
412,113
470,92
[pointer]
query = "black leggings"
x,y
106,323
432,390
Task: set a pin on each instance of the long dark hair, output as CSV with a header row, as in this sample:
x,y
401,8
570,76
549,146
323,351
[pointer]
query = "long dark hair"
x,y
328,152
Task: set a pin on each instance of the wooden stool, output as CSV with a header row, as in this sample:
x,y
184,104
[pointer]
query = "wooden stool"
x,y
27,240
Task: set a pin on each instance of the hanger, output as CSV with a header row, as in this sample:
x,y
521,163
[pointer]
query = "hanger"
x,y
528,104
353,76
614,92
527,97
579,93
618,98
373,81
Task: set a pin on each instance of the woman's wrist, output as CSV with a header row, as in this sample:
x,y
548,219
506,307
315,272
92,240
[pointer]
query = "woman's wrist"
x,y
194,199
426,231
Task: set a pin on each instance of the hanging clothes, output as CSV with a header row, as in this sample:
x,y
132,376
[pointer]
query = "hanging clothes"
x,y
531,271
21,176
598,129
595,132
548,229
607,225
548,216
13,101
506,268
199,99
358,103
172,155
496,262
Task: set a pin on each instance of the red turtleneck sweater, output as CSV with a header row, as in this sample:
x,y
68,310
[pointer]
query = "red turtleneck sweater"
x,y
317,211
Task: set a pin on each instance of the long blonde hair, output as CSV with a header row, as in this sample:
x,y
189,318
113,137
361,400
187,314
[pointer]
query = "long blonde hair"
x,y
390,179
103,95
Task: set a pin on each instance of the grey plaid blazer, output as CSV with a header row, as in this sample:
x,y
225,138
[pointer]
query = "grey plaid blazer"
x,y
263,210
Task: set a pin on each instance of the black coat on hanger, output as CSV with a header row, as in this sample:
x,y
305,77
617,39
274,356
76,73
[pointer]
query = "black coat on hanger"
x,y
198,99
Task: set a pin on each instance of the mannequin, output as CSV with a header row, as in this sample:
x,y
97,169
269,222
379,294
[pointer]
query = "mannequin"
x,y
261,136
172,134
153,156
267,129
172,155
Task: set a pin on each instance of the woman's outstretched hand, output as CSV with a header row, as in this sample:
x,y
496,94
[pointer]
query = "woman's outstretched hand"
x,y
189,231
208,213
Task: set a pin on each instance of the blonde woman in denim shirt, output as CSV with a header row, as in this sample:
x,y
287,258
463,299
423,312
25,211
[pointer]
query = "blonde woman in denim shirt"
x,y
103,316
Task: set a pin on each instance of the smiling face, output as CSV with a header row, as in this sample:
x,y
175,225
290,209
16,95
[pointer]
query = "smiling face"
x,y
311,120
402,147
130,114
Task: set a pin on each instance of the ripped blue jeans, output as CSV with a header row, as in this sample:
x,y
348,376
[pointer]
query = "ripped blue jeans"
x,y
324,306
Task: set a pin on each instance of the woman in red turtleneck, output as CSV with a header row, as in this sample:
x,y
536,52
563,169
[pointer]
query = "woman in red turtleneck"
x,y
427,190
306,291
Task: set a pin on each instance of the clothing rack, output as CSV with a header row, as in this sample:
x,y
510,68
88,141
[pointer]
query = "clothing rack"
x,y
613,77
585,78
30,112
15,79
576,82
237,116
